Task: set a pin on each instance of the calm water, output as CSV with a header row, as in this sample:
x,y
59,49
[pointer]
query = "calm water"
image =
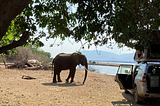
x,y
109,70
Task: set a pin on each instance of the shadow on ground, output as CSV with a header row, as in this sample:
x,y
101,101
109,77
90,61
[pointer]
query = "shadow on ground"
x,y
62,84
129,101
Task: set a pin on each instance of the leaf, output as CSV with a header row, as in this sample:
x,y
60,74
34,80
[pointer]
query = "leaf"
x,y
127,22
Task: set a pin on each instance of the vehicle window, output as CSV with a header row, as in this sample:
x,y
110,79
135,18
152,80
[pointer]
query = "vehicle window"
x,y
125,70
139,69
154,70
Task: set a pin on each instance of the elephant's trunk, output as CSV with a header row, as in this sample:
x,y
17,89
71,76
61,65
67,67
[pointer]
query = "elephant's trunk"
x,y
86,71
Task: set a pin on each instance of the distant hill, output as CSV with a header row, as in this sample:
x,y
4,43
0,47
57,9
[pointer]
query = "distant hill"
x,y
107,56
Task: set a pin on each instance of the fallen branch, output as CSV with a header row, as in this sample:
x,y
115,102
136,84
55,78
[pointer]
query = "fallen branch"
x,y
29,65
33,68
19,64
27,77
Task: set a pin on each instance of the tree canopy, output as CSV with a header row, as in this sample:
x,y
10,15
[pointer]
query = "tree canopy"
x,y
128,22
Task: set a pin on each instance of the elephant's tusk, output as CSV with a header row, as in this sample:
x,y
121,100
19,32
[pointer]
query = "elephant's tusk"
x,y
86,68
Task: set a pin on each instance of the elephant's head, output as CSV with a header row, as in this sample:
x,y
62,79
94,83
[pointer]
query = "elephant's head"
x,y
83,61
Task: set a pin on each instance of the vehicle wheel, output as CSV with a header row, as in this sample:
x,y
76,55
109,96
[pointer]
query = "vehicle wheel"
x,y
137,98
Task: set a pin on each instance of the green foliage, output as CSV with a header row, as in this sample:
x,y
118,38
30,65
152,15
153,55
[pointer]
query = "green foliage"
x,y
35,50
94,62
77,53
134,21
129,22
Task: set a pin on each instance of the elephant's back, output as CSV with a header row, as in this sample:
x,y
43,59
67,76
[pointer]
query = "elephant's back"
x,y
63,54
62,58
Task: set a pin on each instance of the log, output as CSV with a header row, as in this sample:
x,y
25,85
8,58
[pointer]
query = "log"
x,y
34,62
29,65
12,66
19,64
22,64
33,68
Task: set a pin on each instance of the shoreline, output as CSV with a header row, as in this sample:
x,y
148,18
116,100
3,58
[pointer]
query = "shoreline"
x,y
105,64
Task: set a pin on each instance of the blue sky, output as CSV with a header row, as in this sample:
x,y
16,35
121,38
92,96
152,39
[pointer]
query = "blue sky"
x,y
70,46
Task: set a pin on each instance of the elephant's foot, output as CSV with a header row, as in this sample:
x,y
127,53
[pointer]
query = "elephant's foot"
x,y
59,80
54,81
66,80
71,81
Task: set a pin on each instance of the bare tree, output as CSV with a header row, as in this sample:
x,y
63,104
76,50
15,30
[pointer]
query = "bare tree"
x,y
24,53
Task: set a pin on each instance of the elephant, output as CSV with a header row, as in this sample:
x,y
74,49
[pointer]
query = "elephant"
x,y
68,61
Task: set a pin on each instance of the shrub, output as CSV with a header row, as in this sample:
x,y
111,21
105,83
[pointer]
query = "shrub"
x,y
27,53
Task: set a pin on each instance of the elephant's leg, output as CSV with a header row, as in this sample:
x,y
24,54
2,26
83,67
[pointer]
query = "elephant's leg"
x,y
54,78
68,76
59,79
72,74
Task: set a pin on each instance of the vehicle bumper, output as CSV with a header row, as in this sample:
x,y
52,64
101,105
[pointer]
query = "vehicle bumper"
x,y
142,93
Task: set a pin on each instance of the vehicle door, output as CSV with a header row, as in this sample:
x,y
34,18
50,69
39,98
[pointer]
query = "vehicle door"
x,y
124,76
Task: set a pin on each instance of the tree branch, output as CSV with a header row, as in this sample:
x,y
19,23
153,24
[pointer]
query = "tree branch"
x,y
14,44
9,9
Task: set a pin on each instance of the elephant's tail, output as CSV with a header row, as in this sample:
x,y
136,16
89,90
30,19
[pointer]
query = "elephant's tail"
x,y
52,64
52,67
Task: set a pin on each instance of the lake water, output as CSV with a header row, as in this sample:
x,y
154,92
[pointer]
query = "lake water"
x,y
108,70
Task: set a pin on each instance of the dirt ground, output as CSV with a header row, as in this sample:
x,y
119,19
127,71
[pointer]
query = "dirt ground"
x,y
98,90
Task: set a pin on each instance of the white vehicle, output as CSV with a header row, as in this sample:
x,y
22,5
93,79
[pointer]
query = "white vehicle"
x,y
142,80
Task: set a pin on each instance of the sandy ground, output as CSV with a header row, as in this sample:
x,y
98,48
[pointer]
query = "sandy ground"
x,y
99,90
